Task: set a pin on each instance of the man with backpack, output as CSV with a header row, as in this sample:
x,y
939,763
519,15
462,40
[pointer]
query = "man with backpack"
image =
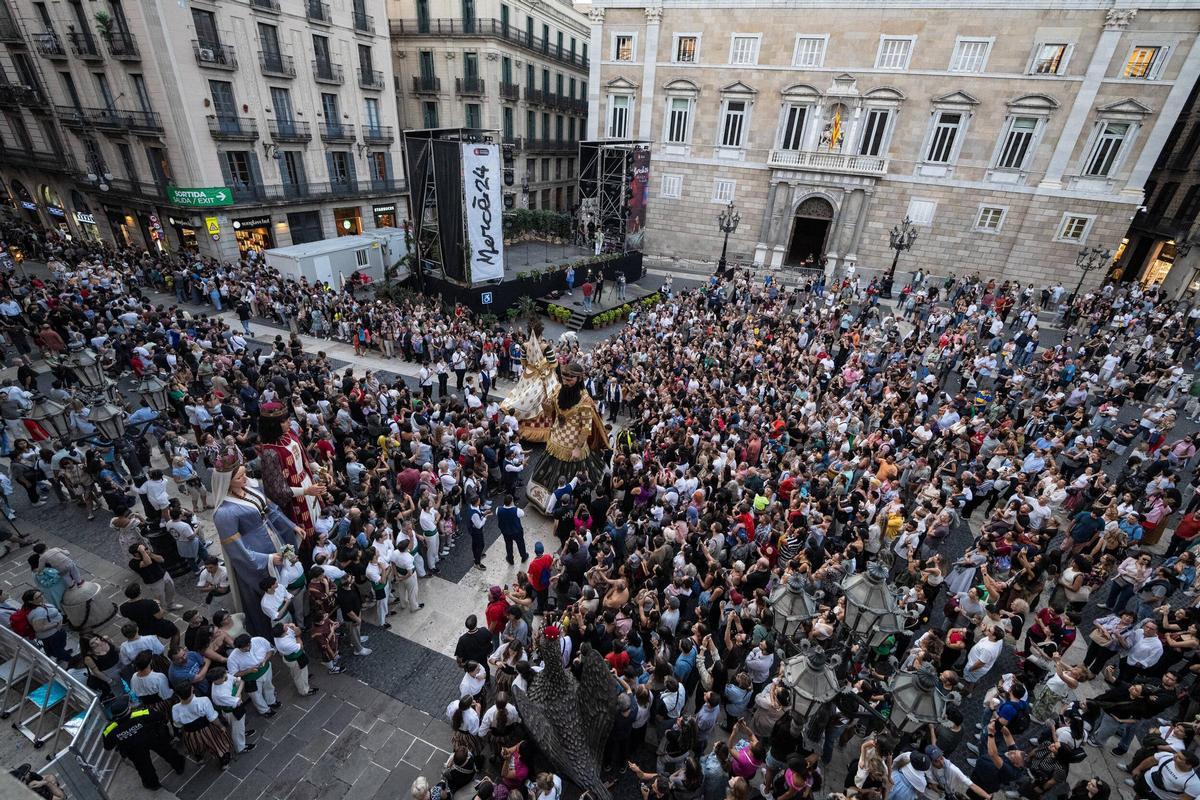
x,y
1012,712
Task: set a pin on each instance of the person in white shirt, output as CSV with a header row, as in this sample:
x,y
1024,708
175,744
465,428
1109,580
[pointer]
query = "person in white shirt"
x,y
202,734
250,660
377,574
152,687
292,578
135,644
228,698
276,601
288,645
427,521
1168,776
406,576
155,490
213,579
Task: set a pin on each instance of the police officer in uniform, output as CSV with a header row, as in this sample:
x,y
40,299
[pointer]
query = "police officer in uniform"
x,y
135,734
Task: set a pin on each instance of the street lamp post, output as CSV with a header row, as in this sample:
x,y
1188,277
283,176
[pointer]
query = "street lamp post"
x,y
901,238
727,222
1089,259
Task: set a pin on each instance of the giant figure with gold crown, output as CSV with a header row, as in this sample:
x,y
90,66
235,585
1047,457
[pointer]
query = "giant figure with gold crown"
x,y
578,441
254,535
539,382
287,472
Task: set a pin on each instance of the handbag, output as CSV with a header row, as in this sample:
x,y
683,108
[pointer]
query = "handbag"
x,y
1100,636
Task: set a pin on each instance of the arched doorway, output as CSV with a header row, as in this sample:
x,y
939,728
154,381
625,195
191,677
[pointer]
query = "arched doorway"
x,y
806,246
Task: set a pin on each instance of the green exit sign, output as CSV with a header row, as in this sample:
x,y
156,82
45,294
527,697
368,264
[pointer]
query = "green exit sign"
x,y
200,197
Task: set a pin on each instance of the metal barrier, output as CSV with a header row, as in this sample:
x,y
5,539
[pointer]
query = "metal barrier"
x,y
55,711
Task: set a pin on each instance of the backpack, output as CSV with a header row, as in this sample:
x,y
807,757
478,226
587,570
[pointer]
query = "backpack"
x,y
1020,723
19,623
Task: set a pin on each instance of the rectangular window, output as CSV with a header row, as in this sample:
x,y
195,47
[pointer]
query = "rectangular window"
x,y
143,94
921,212
425,64
894,52
678,113
723,191
672,186
1017,141
733,125
1143,62
474,118
1074,228
970,55
618,116
531,124
945,134
371,111
810,51
743,49
792,137
989,220
238,162
1050,59
429,114
506,70
507,117
1108,144
571,87
687,48
471,66
623,47
874,132
361,257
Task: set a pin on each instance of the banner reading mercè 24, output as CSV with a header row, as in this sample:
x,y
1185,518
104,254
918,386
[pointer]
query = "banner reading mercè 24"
x,y
484,211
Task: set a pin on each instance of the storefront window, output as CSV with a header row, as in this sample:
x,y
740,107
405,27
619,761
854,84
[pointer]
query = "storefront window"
x,y
348,221
253,234
385,216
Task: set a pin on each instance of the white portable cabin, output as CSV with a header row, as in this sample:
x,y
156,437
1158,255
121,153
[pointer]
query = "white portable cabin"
x,y
336,260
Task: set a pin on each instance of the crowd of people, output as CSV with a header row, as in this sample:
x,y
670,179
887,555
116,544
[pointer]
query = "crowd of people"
x,y
1014,484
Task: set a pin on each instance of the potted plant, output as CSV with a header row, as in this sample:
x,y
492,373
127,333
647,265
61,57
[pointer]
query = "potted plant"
x,y
104,23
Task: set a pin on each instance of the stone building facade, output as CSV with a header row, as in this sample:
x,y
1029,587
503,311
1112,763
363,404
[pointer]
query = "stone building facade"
x,y
115,115
1012,133
516,67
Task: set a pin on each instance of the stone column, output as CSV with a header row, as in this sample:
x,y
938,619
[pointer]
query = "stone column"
x,y
848,221
1115,22
1153,144
781,225
859,225
764,231
596,52
649,65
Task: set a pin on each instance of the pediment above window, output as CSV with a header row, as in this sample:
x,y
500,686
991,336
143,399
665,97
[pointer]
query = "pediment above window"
x,y
801,91
1034,102
738,88
1128,106
621,84
959,98
682,87
885,93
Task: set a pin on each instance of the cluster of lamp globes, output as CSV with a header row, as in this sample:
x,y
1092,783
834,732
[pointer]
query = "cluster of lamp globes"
x,y
872,614
98,392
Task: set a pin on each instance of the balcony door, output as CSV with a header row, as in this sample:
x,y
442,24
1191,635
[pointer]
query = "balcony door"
x,y
268,40
206,28
224,105
285,117
372,114
333,117
291,173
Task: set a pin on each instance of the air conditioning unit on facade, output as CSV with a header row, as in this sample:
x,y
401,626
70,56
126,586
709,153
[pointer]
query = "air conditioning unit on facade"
x,y
207,54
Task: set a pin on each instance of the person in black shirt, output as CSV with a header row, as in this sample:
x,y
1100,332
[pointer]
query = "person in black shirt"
x,y
474,645
349,602
147,614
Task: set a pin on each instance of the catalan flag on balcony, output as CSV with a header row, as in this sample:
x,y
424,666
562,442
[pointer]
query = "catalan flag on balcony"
x,y
835,133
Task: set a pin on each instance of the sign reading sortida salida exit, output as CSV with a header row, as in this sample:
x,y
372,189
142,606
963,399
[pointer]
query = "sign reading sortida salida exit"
x,y
200,196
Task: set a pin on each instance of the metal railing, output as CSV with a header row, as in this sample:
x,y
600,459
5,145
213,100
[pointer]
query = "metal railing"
x,y
111,118
469,86
83,44
122,45
21,95
49,44
487,27
286,130
269,6
9,32
317,11
550,145
233,129
426,85
510,91
370,79
50,708
378,134
535,96
214,54
337,132
277,64
363,22
325,72
247,193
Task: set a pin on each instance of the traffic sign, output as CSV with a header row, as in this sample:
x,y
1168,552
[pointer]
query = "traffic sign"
x,y
200,196
485,298
213,225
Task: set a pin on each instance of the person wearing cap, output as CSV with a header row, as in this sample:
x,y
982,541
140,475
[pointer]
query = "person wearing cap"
x,y
944,774
137,734
540,574
910,776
